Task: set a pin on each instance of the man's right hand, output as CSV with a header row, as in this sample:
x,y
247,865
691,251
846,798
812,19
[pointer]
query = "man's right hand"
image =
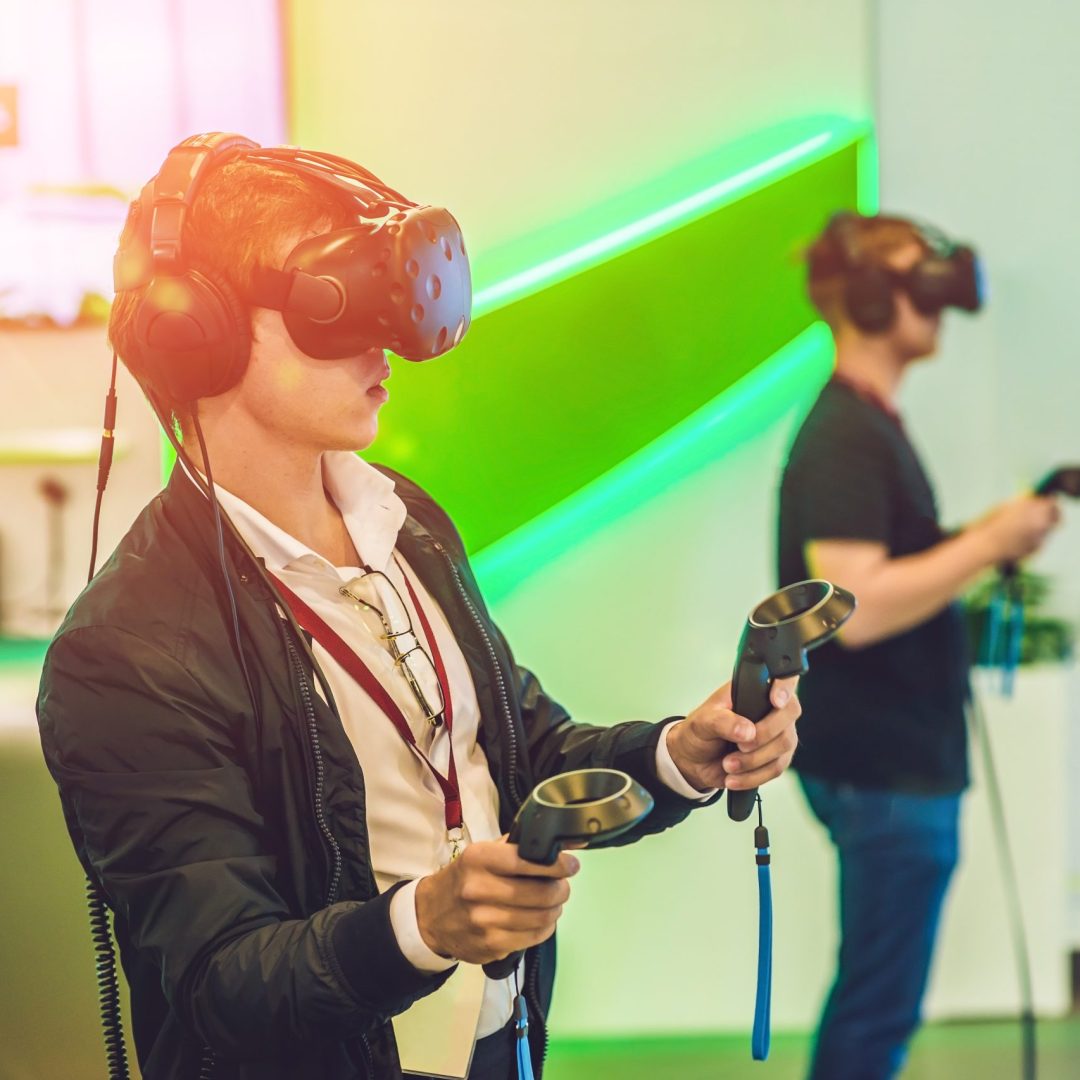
x,y
489,902
1017,528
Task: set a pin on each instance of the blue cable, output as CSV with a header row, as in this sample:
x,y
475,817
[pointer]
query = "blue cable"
x,y
521,1030
1004,633
763,1004
1013,640
992,631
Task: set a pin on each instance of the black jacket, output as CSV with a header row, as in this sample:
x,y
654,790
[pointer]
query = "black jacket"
x,y
230,842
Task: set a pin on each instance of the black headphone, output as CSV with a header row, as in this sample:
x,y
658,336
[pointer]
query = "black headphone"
x,y
948,275
399,279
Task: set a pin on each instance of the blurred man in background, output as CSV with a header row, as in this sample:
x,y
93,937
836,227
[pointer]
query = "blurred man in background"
x,y
883,759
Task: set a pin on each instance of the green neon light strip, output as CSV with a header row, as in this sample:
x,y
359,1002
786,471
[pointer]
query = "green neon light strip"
x,y
831,135
760,397
869,189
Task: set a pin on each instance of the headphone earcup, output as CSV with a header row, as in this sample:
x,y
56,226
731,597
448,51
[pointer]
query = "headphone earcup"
x,y
868,298
194,335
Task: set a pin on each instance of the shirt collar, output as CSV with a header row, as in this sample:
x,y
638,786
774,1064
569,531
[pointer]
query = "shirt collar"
x,y
372,511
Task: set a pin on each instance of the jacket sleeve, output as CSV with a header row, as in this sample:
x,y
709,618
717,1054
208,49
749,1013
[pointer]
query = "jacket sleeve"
x,y
162,813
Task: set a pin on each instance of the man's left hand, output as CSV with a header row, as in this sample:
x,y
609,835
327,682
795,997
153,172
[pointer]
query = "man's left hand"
x,y
701,745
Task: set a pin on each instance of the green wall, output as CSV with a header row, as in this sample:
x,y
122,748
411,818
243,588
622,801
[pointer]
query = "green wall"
x,y
561,383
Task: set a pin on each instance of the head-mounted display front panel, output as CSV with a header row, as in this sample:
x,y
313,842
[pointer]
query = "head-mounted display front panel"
x,y
399,279
401,283
951,279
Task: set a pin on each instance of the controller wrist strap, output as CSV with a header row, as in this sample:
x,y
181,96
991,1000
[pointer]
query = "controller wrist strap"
x,y
1004,632
763,1001
521,1034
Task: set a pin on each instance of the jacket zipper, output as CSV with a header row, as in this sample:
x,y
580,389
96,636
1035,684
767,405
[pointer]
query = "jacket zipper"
x,y
320,814
499,681
320,772
532,976
532,971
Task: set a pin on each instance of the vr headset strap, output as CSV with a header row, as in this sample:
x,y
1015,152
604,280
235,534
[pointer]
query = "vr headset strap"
x,y
292,290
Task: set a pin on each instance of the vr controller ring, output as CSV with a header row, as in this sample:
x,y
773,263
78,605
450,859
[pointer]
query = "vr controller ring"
x,y
595,776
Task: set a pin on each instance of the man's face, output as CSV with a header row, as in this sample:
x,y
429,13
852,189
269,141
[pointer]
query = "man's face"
x,y
315,404
913,334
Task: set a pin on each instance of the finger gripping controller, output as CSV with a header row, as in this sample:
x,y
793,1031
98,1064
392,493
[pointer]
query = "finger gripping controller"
x,y
584,807
778,634
1062,481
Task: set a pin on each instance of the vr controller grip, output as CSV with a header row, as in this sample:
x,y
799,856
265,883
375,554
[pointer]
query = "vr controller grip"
x,y
750,698
581,807
504,968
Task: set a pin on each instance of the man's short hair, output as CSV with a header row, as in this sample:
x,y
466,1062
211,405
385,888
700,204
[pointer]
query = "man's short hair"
x,y
243,216
862,240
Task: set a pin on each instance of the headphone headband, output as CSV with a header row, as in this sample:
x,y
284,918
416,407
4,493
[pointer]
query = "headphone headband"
x,y
347,176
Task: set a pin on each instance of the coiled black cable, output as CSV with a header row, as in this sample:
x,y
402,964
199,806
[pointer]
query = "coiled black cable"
x,y
108,983
104,952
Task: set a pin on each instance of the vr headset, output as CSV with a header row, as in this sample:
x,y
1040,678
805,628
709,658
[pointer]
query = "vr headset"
x,y
948,275
398,279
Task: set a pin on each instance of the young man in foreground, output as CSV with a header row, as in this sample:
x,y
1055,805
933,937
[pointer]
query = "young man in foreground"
x,y
301,833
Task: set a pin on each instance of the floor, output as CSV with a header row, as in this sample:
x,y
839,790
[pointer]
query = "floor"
x,y
975,1051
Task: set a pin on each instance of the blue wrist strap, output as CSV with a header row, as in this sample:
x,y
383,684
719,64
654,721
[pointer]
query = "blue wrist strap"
x,y
1013,640
763,1003
1004,633
992,632
521,1040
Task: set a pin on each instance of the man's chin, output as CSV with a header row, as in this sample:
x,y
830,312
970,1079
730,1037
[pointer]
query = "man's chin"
x,y
355,441
923,353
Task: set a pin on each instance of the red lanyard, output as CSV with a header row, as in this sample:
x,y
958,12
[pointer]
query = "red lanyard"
x,y
335,645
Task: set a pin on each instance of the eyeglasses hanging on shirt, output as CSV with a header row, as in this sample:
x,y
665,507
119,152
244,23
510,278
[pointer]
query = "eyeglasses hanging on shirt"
x,y
410,657
340,650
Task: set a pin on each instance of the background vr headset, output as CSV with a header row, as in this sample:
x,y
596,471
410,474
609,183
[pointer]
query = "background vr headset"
x,y
398,279
948,275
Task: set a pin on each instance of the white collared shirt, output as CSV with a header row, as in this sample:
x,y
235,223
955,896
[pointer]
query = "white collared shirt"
x,y
405,808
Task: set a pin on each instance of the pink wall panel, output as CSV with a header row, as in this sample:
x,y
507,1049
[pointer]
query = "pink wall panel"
x,y
105,88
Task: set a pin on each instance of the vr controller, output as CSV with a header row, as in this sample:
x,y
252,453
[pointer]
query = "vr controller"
x,y
778,634
1063,481
584,807
594,805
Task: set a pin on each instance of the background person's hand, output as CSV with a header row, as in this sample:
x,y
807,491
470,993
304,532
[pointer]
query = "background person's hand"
x,y
489,902
701,745
1018,527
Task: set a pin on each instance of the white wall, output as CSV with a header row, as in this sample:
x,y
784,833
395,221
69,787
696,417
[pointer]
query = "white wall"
x,y
517,114
977,108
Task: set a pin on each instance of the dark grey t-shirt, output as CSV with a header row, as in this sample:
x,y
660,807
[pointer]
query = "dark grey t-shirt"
x,y
890,716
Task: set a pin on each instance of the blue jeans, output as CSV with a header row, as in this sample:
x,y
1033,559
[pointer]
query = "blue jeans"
x,y
897,853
